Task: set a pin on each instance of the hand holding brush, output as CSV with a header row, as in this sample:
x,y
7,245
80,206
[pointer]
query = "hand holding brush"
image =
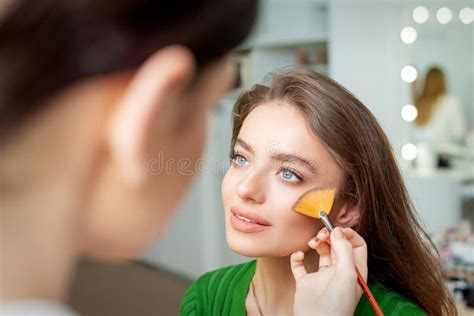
x,y
342,253
333,289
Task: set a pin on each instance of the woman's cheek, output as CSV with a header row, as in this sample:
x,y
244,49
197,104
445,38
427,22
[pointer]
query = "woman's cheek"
x,y
226,189
301,231
306,227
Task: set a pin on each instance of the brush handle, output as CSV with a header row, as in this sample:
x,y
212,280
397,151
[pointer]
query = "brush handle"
x,y
368,293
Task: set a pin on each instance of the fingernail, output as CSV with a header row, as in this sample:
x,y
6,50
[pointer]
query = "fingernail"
x,y
315,239
337,232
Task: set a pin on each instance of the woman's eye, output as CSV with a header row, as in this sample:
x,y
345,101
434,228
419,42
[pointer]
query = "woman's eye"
x,y
290,176
240,160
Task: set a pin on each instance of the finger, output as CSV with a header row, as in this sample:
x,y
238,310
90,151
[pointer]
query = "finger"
x,y
359,250
323,231
354,238
323,235
324,251
297,265
342,250
325,258
313,242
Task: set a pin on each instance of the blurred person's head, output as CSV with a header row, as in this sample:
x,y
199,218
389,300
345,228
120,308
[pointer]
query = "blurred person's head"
x,y
434,87
103,108
305,131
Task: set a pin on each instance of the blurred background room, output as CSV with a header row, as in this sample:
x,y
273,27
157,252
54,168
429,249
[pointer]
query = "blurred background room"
x,y
410,61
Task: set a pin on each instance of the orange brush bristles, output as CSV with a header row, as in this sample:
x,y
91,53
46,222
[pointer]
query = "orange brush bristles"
x,y
314,201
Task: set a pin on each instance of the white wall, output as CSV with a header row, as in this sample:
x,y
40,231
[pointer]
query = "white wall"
x,y
363,40
436,199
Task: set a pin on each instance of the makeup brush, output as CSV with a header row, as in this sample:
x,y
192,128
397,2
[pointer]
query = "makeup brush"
x,y
314,201
317,203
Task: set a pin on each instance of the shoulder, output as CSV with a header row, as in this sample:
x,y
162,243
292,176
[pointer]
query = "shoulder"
x,y
449,102
213,285
224,276
391,303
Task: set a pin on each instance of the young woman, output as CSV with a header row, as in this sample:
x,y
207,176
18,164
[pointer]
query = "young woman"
x,y
440,119
305,131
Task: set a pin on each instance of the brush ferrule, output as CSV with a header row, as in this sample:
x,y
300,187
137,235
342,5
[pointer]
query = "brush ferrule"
x,y
326,221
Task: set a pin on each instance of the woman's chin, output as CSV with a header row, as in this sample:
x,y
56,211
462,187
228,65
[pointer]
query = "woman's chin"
x,y
253,250
246,252
247,248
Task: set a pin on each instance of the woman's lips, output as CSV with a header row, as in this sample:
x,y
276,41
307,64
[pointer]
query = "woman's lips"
x,y
246,221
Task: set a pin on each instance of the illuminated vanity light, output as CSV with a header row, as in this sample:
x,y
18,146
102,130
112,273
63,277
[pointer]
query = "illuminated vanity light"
x,y
444,15
466,15
409,113
409,74
409,151
408,35
420,15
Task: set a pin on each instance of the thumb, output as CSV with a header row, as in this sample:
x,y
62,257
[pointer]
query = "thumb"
x,y
343,252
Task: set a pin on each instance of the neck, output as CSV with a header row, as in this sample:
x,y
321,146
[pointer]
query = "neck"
x,y
44,172
275,284
39,216
37,253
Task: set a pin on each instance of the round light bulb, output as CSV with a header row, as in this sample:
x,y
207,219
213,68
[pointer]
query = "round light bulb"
x,y
466,15
408,35
409,151
409,113
409,74
420,15
444,15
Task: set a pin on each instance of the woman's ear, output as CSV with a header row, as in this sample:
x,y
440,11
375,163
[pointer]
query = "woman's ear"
x,y
348,216
153,137
153,87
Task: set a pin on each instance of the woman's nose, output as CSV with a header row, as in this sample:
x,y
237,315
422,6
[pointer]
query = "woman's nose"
x,y
252,188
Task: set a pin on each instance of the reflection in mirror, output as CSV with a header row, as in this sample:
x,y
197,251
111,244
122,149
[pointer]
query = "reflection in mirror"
x,y
437,52
438,126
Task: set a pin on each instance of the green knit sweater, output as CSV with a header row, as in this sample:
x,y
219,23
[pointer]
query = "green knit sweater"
x,y
222,292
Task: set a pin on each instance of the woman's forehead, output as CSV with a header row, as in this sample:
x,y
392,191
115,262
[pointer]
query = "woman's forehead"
x,y
280,125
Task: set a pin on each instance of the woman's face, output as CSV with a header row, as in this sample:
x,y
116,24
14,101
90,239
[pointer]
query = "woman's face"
x,y
275,160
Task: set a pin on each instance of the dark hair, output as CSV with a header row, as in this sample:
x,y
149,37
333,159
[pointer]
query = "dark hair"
x,y
426,102
46,45
400,254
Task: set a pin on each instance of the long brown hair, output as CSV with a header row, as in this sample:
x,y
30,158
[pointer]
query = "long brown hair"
x,y
401,255
47,45
433,88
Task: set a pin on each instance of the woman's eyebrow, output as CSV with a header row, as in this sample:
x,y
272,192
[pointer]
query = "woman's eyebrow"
x,y
281,156
246,146
284,157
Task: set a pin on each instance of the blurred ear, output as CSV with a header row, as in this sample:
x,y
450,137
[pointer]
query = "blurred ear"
x,y
152,88
348,216
158,122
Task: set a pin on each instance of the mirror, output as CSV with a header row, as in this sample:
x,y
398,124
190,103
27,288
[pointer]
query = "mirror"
x,y
437,52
